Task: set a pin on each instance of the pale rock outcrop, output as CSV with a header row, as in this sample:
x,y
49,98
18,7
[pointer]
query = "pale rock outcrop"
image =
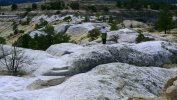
x,y
76,31
81,59
70,59
45,17
80,31
122,35
114,81
62,49
7,49
170,88
135,24
61,28
37,32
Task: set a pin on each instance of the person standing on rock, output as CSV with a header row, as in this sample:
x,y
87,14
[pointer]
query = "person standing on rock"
x,y
103,35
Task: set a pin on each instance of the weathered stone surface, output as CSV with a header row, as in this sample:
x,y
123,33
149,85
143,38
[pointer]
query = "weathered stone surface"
x,y
61,28
170,88
79,31
113,81
134,24
106,80
63,48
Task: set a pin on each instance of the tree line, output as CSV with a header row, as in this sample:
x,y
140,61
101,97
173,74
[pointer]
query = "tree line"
x,y
139,4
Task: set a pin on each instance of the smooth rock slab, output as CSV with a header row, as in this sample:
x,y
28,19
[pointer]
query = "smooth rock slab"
x,y
113,81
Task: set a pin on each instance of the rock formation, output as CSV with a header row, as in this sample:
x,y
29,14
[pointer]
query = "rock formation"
x,y
170,88
90,70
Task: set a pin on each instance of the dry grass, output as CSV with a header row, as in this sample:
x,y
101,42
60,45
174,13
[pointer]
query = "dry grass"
x,y
5,73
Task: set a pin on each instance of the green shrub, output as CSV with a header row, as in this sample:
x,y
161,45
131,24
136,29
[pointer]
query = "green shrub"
x,y
23,41
16,31
114,27
34,6
110,19
14,7
142,38
49,30
41,42
43,7
87,19
93,34
2,40
11,34
74,5
58,12
105,9
21,31
151,30
67,19
26,22
42,24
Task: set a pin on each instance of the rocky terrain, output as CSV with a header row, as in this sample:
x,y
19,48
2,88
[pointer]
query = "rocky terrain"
x,y
122,69
90,70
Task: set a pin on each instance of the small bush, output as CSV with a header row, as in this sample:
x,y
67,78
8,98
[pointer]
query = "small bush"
x,y
21,31
151,30
93,34
87,19
2,40
114,27
42,24
142,38
15,31
58,12
67,19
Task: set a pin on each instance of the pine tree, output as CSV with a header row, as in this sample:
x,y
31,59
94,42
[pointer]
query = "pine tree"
x,y
164,20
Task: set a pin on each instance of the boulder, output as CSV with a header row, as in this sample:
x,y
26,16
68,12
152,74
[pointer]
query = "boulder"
x,y
37,32
170,88
135,24
123,35
63,48
61,28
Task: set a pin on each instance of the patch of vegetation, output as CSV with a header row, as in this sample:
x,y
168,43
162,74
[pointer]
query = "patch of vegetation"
x,y
114,27
67,19
110,20
34,6
139,4
2,40
58,12
42,24
142,38
105,9
165,20
58,5
42,42
93,34
92,8
19,73
87,19
74,5
14,7
151,29
26,22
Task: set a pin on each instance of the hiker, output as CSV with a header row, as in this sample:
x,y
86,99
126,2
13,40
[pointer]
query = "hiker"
x,y
103,34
